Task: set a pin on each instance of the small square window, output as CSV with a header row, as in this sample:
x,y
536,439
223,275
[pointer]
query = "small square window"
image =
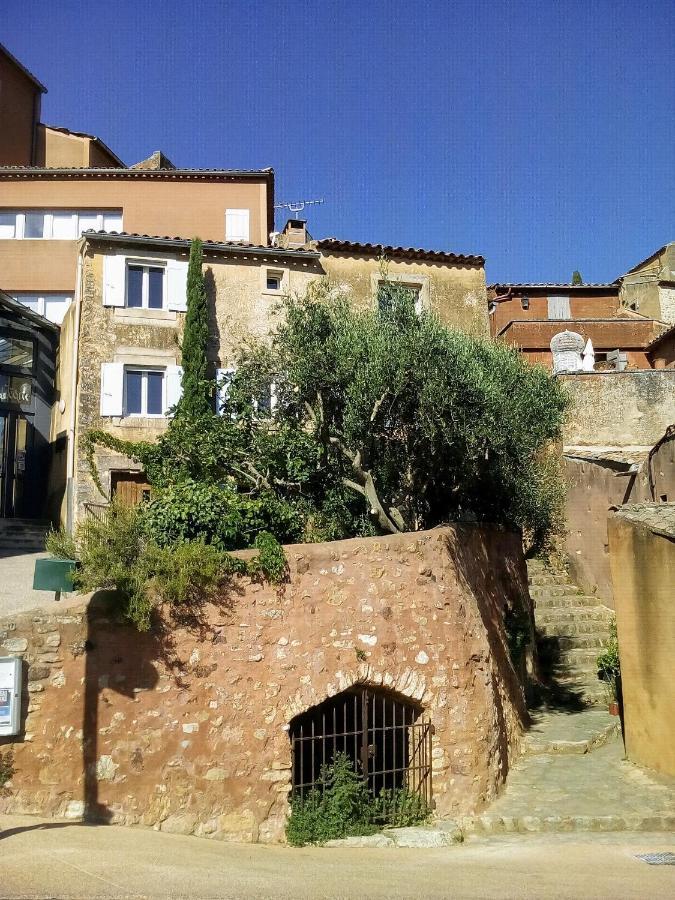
x,y
274,281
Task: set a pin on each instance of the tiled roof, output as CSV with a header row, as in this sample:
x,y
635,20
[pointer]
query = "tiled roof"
x,y
668,333
183,243
543,285
334,244
658,517
168,174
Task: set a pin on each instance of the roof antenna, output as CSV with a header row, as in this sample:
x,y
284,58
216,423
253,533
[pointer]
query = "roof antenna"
x,y
297,206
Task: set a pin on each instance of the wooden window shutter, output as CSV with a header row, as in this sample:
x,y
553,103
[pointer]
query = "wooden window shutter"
x,y
223,382
237,225
112,389
174,386
114,280
176,285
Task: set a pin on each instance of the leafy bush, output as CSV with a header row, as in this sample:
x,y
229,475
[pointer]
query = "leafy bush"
x,y
341,806
121,554
608,662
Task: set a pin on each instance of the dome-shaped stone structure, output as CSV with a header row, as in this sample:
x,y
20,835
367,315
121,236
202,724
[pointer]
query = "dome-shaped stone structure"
x,y
567,347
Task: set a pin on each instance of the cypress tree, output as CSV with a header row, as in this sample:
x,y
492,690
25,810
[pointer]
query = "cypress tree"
x,y
196,398
576,277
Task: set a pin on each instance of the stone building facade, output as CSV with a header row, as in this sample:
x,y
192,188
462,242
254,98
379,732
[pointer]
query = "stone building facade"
x,y
187,729
108,334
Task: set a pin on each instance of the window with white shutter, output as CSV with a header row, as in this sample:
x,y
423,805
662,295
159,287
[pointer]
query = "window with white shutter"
x,y
112,389
114,277
174,386
176,285
237,225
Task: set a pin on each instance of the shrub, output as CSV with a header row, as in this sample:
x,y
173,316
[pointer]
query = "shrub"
x,y
341,806
608,662
7,769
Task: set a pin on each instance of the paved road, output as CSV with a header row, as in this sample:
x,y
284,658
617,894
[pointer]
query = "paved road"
x,y
41,860
16,583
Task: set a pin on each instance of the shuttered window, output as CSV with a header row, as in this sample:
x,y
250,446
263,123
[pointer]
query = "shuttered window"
x,y
559,308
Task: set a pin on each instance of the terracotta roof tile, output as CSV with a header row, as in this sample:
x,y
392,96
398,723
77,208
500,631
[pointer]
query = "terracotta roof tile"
x,y
335,244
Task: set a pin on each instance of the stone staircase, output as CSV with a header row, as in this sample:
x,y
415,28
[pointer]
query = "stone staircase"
x,y
572,628
23,535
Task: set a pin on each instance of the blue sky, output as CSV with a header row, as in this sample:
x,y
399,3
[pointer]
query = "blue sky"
x,y
539,134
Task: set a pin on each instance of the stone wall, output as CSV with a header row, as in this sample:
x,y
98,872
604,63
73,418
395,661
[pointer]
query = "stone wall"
x,y
643,572
618,409
187,730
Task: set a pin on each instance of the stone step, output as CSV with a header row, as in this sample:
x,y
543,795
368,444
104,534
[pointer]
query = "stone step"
x,y
575,637
568,615
566,732
568,601
492,824
539,579
553,590
580,658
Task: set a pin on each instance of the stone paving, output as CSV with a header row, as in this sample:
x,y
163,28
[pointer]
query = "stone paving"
x,y
16,582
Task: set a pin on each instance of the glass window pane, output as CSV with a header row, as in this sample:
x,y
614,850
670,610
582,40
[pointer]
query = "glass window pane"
x,y
7,225
134,389
14,352
155,288
35,225
134,286
64,226
155,382
112,221
87,222
32,301
56,306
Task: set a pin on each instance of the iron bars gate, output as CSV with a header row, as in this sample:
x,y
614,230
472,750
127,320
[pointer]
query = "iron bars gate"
x,y
386,738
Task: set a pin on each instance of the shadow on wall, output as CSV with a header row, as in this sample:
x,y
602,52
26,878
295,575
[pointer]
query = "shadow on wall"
x,y
490,583
121,660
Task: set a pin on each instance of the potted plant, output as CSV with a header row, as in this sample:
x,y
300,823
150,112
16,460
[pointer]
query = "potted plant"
x,y
609,669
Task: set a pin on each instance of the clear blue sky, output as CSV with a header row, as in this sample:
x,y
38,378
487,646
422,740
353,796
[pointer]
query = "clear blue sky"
x,y
539,134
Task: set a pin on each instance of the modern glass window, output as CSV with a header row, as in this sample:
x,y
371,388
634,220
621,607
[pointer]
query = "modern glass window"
x,y
34,226
16,352
143,392
145,286
52,306
16,389
56,224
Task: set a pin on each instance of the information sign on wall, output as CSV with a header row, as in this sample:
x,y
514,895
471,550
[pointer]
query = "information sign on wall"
x,y
10,695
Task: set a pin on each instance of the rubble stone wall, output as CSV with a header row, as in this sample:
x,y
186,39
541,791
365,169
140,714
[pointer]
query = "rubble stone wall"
x,y
186,729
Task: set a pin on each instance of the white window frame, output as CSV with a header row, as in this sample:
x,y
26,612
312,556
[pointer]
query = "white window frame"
x,y
143,371
48,232
146,265
42,300
281,275
416,286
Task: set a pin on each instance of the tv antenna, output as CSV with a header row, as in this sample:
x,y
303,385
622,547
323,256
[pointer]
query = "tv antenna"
x,y
297,206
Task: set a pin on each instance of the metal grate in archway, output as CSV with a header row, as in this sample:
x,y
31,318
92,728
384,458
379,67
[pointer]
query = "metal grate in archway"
x,y
387,739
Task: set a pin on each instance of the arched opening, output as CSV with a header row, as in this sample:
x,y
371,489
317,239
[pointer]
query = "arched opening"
x,y
386,737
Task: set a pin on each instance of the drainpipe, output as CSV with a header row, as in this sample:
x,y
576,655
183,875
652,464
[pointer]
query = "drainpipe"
x,y
70,465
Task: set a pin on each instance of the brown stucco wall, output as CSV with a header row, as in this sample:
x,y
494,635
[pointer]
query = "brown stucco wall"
x,y
19,111
628,335
643,572
615,409
456,293
160,206
582,306
56,149
188,731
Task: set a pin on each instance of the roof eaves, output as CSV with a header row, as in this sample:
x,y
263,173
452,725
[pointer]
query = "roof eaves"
x,y
337,245
126,172
545,285
21,66
183,243
668,333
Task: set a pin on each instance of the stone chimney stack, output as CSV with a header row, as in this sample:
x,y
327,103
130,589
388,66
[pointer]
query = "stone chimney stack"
x,y
294,234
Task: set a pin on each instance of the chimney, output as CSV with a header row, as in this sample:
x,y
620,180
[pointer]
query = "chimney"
x,y
157,161
294,234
